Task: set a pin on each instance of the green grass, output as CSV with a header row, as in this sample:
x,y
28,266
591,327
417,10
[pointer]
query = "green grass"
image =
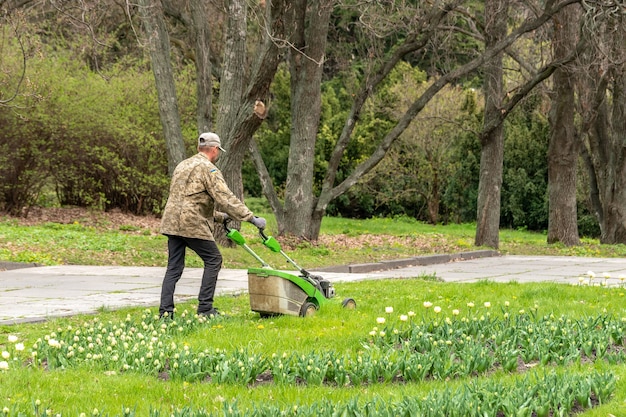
x,y
81,389
342,241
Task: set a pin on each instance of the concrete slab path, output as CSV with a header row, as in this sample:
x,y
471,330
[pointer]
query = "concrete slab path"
x,y
37,293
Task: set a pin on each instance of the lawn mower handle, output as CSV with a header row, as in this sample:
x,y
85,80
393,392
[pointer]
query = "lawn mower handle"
x,y
228,229
233,234
225,224
236,237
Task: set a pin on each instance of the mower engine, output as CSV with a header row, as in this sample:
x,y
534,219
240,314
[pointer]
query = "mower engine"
x,y
325,286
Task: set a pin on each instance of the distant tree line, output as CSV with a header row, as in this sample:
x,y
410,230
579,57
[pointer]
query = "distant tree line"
x,y
501,113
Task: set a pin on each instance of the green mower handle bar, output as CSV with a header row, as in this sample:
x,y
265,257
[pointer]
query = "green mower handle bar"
x,y
274,246
270,242
237,237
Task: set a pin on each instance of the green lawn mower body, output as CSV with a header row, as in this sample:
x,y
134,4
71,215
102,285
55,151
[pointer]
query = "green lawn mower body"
x,y
275,292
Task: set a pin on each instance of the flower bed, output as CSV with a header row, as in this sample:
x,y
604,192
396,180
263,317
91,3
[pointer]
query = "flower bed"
x,y
399,349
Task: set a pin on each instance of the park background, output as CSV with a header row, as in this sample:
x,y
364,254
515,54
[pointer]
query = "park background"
x,y
495,117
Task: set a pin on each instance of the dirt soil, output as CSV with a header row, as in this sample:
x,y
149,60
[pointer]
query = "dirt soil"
x,y
116,220
112,220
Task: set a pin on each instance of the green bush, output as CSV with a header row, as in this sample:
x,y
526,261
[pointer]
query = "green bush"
x,y
93,138
525,175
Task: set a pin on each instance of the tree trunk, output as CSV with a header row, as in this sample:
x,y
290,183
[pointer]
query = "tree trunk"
x,y
204,80
609,170
239,89
239,126
492,137
563,150
233,77
434,199
603,106
231,94
615,227
159,44
309,22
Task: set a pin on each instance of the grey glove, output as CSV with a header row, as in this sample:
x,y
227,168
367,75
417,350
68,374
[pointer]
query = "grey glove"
x,y
258,222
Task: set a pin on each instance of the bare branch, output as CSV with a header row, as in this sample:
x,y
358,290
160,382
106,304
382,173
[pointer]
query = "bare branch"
x,y
329,194
23,74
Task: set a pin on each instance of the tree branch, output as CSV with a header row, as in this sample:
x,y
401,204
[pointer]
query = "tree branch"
x,y
328,194
412,44
23,74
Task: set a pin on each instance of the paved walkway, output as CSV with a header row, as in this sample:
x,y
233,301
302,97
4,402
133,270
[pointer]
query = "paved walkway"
x,y
33,294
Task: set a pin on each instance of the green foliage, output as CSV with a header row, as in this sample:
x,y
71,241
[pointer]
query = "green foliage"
x,y
431,170
525,174
22,169
461,192
94,140
275,134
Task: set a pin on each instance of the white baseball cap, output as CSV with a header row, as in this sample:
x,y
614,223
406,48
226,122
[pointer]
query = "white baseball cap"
x,y
210,139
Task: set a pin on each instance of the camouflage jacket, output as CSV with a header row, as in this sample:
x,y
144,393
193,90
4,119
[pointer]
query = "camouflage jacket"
x,y
197,188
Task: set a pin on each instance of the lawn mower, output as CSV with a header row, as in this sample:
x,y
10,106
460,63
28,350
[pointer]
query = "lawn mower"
x,y
275,292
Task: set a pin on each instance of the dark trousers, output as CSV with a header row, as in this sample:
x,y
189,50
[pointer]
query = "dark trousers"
x,y
209,253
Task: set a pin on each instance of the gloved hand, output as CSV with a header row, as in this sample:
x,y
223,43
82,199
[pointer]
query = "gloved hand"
x,y
258,222
220,217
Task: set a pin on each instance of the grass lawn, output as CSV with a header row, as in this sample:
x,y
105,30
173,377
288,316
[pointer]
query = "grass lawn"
x,y
106,377
104,385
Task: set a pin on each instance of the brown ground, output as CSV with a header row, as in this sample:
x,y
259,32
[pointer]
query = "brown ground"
x,y
116,220
113,220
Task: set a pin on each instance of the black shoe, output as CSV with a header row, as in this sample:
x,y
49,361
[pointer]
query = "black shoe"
x,y
212,313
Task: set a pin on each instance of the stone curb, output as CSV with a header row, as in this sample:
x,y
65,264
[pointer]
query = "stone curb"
x,y
348,269
7,266
408,262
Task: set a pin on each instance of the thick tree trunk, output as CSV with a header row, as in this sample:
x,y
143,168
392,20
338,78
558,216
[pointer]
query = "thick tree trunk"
x,y
231,94
159,44
239,122
492,137
233,76
490,188
614,230
603,104
564,145
610,166
239,89
310,20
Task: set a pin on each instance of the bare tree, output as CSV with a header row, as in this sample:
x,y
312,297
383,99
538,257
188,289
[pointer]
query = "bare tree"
x,y
240,86
308,24
242,121
201,29
13,23
158,40
424,23
492,138
233,72
602,92
563,151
